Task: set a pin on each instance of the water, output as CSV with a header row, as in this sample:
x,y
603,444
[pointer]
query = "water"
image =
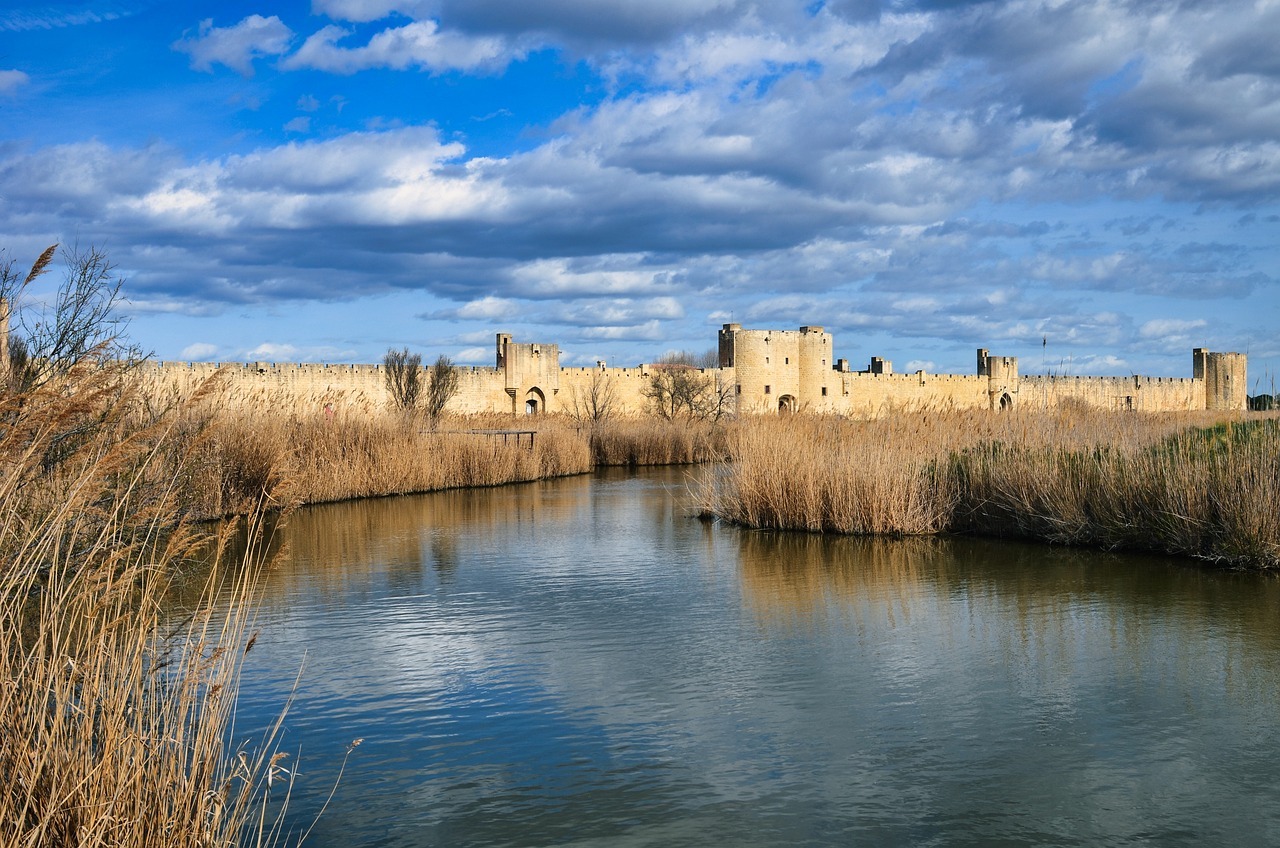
x,y
582,663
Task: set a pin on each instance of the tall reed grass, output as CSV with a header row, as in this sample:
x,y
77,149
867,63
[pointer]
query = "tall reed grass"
x,y
1185,484
113,720
234,453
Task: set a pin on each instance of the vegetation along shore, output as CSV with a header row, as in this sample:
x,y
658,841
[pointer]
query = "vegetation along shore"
x,y
115,724
1193,484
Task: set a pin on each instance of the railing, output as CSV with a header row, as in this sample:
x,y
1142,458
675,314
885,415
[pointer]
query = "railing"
x,y
507,436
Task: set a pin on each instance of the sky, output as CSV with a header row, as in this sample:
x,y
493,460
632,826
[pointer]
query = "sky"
x,y
1090,185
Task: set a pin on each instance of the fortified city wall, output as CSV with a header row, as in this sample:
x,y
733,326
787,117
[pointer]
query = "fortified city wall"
x,y
768,370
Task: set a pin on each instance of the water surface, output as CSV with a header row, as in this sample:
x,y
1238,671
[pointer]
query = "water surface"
x,y
580,662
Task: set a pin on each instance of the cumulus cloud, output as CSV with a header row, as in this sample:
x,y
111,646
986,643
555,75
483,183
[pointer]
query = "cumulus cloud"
x,y
236,46
199,352
273,352
12,80
592,23
917,169
370,10
648,331
420,45
486,309
1175,328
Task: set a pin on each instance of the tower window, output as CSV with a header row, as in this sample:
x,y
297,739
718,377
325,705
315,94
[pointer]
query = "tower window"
x,y
824,391
766,390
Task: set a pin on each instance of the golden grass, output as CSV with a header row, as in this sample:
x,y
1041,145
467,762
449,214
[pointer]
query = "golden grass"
x,y
657,441
113,723
235,453
1184,484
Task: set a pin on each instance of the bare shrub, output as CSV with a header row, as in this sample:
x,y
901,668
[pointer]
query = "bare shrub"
x,y
402,371
442,385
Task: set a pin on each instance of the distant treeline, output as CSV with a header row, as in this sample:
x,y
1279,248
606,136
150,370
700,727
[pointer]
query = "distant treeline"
x,y
1264,403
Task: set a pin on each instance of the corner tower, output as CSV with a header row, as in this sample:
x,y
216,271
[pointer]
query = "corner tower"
x,y
1226,379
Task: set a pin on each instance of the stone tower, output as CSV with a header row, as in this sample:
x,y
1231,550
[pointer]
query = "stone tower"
x,y
1002,378
531,374
1226,378
777,370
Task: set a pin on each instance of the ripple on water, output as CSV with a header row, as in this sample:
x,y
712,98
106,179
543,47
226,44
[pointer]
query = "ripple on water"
x,y
581,664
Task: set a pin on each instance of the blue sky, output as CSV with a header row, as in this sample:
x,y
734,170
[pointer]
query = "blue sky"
x,y
1091,185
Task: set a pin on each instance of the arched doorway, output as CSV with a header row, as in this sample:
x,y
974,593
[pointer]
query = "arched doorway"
x,y
534,402
1006,402
786,404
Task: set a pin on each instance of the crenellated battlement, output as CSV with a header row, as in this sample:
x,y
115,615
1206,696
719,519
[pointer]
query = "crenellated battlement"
x,y
766,371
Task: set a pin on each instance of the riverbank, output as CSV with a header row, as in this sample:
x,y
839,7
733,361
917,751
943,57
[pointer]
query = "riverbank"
x,y
292,458
1196,484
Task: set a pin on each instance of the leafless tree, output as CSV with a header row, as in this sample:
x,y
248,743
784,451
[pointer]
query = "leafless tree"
x,y
596,402
678,389
403,373
442,385
47,338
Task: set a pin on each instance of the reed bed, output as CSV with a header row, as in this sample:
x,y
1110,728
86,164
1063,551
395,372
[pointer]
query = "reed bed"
x,y
1187,484
658,441
319,458
114,723
235,452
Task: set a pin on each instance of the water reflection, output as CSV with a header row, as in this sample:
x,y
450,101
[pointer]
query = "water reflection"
x,y
581,662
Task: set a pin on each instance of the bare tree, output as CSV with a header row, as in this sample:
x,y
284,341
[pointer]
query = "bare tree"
x,y
442,385
48,339
596,402
403,373
678,389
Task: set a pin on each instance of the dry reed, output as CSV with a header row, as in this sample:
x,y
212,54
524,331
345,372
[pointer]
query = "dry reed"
x,y
113,725
1182,484
236,452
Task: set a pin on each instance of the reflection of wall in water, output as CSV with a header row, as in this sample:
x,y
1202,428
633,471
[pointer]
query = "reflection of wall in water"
x,y
335,546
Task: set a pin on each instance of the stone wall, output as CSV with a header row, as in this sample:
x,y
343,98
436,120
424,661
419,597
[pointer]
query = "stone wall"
x,y
767,370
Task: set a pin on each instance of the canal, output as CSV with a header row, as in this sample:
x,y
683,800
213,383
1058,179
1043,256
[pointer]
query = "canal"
x,y
581,662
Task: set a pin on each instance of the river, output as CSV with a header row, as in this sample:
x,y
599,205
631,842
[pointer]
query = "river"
x,y
581,662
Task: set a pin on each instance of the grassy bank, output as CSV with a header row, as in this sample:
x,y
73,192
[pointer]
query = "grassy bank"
x,y
1190,484
113,725
230,459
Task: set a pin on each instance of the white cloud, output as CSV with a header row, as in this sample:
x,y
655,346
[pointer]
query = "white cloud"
x,y
648,331
199,352
488,308
272,352
1159,328
474,355
363,11
11,81
300,124
622,311
237,46
420,45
